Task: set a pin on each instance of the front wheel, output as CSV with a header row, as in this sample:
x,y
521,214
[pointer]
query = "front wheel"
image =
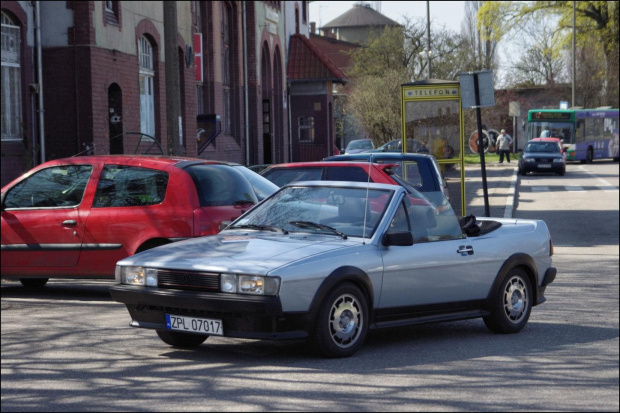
x,y
512,304
181,340
342,322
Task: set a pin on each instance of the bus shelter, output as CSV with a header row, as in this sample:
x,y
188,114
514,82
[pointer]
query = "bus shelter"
x,y
432,116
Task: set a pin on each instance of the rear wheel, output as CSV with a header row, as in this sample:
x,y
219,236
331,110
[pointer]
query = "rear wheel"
x,y
342,322
511,305
33,283
182,340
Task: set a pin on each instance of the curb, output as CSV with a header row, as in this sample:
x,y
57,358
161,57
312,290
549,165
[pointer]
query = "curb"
x,y
510,200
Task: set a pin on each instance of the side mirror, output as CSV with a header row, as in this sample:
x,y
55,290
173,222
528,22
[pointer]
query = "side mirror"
x,y
3,197
400,239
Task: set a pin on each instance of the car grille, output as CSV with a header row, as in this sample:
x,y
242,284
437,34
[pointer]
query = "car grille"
x,y
184,280
544,160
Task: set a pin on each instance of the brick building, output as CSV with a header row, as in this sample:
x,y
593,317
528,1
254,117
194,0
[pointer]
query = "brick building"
x,y
103,84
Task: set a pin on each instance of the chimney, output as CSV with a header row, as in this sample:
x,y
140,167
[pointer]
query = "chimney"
x,y
312,27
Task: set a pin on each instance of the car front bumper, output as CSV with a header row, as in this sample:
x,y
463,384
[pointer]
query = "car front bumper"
x,y
243,316
543,167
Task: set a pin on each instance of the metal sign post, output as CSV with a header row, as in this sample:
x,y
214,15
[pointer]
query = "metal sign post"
x,y
477,91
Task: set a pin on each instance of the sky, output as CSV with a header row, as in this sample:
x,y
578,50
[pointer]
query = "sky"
x,y
444,13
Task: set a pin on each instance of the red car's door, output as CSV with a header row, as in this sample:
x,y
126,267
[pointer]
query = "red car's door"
x,y
42,220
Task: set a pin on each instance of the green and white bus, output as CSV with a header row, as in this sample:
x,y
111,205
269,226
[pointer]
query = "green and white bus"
x,y
586,134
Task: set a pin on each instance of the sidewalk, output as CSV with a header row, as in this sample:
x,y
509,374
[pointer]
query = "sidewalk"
x,y
501,188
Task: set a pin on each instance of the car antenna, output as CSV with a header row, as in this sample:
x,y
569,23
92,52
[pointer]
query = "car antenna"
x,y
366,200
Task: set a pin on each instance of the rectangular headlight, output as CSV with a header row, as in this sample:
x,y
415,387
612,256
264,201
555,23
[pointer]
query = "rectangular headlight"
x,y
558,160
530,160
249,284
139,276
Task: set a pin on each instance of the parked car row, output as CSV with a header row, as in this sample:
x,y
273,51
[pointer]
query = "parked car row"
x,y
76,217
324,251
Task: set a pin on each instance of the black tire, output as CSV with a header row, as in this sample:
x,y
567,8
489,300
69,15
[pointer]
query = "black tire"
x,y
34,283
341,324
512,304
589,156
562,172
523,172
181,340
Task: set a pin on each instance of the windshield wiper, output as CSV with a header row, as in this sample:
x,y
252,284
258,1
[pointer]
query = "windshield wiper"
x,y
259,227
310,224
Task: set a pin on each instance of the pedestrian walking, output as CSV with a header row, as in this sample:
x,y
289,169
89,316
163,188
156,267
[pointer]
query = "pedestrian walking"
x,y
503,144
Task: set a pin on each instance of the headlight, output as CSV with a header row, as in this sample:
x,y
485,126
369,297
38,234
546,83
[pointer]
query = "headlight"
x,y
249,284
558,160
139,276
530,160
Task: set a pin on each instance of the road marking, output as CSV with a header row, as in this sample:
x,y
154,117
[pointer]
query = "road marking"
x,y
540,188
574,188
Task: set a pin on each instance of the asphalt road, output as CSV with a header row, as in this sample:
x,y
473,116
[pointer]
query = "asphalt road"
x,y
69,348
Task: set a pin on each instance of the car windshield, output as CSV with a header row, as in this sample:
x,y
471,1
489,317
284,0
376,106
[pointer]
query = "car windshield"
x,y
549,147
337,211
363,144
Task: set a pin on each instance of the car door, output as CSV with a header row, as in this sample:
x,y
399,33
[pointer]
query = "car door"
x,y
43,218
128,208
434,273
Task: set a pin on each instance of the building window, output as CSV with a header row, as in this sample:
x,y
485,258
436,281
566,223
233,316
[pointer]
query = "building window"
x,y
147,80
306,129
11,79
225,36
111,12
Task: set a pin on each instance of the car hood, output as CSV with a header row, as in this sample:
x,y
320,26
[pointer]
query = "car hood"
x,y
250,252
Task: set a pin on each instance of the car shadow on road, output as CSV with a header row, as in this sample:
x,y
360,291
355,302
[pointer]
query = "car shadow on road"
x,y
80,290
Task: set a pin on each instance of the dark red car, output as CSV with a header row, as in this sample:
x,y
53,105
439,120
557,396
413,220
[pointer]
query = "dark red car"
x,y
76,217
285,173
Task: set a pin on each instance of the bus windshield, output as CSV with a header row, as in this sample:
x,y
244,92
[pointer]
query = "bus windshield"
x,y
543,129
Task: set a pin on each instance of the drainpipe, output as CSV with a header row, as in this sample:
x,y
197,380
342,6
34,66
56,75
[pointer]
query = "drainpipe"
x,y
245,86
40,108
290,126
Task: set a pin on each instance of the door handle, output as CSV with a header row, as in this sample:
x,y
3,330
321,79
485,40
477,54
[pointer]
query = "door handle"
x,y
465,249
69,223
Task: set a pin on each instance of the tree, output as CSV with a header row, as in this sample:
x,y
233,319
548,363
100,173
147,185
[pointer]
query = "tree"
x,y
375,102
388,60
480,42
544,61
597,26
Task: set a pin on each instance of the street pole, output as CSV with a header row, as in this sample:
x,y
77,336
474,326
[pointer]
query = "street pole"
x,y
428,36
485,189
573,104
173,83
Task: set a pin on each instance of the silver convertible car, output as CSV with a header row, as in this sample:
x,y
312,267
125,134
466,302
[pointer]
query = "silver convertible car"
x,y
329,261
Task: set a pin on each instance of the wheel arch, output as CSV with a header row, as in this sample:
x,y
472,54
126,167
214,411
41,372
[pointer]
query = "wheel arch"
x,y
344,274
152,243
518,260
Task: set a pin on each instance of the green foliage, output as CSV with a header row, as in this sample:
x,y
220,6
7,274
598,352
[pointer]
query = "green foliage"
x,y
375,103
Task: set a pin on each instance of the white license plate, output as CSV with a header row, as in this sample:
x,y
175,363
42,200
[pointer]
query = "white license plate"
x,y
544,165
194,325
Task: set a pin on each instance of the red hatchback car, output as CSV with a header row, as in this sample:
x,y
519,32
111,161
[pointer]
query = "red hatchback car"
x,y
76,217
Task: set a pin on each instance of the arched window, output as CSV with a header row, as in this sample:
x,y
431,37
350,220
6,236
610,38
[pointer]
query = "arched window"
x,y
11,79
147,80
